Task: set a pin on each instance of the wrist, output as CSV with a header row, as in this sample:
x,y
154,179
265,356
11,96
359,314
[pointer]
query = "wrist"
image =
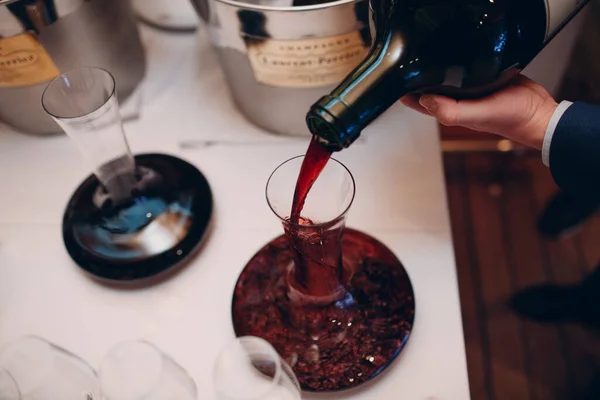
x,y
537,130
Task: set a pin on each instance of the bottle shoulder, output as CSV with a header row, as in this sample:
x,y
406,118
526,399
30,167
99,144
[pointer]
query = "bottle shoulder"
x,y
466,44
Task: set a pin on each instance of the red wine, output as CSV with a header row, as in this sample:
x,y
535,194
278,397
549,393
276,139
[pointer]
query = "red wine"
x,y
317,254
460,48
315,160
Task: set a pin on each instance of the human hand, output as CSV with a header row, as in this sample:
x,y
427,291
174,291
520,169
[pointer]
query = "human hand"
x,y
520,111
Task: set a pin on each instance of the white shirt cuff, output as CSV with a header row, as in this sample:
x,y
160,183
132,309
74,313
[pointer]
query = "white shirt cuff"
x,y
558,113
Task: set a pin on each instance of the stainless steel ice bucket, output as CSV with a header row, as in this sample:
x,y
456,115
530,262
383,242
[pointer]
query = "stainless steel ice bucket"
x,y
278,60
39,39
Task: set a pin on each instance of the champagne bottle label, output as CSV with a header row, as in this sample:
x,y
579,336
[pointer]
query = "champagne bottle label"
x,y
558,11
24,61
305,63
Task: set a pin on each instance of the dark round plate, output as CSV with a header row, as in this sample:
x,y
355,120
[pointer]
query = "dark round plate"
x,y
155,231
340,345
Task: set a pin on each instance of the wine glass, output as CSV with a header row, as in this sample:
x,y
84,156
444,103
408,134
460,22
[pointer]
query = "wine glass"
x,y
249,368
138,370
8,387
32,368
136,216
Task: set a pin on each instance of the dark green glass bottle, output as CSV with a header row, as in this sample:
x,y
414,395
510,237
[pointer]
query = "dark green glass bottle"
x,y
460,48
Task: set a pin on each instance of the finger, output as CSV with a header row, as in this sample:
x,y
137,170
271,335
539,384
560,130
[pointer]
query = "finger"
x,y
473,114
445,109
412,101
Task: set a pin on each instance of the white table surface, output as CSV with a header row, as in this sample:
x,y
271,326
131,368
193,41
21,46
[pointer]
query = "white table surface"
x,y
187,111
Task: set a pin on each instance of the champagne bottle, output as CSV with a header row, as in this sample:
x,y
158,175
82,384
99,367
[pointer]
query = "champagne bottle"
x,y
458,48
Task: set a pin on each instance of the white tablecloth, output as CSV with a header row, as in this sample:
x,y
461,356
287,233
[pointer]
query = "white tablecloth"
x,y
186,110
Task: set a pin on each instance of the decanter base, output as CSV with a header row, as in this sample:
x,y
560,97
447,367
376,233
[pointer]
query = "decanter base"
x,y
335,346
157,229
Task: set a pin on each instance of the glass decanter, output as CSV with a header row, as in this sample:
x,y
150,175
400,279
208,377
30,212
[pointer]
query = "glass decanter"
x,y
334,302
135,217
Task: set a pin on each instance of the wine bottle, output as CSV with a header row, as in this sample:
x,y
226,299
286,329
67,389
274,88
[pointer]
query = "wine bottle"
x,y
459,48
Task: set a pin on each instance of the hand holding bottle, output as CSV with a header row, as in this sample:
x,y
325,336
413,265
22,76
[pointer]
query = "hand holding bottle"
x,y
456,48
521,111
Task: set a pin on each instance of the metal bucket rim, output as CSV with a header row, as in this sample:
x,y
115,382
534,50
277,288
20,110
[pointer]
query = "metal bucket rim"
x,y
331,4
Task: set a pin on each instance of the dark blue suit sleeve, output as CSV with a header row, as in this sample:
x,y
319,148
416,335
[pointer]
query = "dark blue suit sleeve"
x,y
575,152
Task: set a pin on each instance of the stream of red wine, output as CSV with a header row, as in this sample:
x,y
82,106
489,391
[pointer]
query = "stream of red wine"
x,y
315,160
316,248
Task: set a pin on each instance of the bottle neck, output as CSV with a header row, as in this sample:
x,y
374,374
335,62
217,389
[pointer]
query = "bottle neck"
x,y
382,78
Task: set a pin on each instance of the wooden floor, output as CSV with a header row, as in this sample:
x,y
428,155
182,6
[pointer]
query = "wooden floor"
x,y
494,201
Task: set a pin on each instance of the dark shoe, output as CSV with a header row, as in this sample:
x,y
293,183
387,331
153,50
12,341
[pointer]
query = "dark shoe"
x,y
569,303
546,303
564,214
